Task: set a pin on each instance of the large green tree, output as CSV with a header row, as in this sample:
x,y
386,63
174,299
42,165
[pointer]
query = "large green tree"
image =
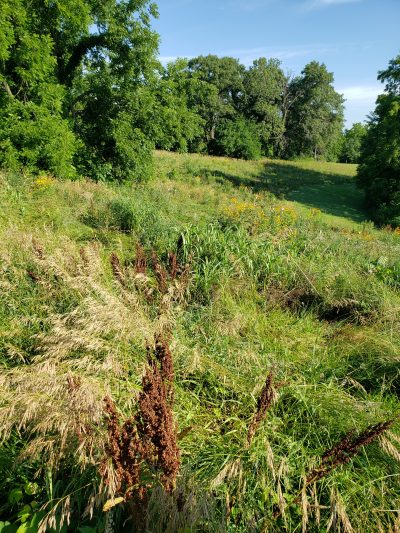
x,y
379,171
69,70
224,75
351,144
315,121
33,130
165,111
264,89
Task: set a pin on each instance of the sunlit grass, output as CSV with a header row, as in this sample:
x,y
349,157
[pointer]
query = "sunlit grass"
x,y
304,290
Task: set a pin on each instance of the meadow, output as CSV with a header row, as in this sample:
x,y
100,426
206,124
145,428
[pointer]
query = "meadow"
x,y
276,302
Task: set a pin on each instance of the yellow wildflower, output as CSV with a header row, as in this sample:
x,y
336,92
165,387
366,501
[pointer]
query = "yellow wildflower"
x,y
43,182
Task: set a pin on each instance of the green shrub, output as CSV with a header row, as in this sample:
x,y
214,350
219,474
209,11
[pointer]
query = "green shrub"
x,y
133,155
239,138
34,138
379,171
124,214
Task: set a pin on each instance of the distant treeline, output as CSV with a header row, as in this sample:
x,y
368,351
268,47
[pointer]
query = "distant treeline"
x,y
232,110
84,94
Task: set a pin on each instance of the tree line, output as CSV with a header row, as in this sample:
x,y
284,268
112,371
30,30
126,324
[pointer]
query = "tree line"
x,y
257,111
84,94
379,169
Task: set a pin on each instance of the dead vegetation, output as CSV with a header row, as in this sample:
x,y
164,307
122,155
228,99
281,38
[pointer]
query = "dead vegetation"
x,y
301,299
264,402
340,455
345,450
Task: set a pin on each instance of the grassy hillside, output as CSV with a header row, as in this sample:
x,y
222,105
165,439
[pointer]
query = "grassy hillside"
x,y
281,308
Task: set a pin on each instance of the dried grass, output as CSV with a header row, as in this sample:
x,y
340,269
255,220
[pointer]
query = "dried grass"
x,y
343,452
264,402
56,402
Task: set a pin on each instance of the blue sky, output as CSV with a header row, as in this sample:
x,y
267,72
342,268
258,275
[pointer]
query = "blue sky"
x,y
354,38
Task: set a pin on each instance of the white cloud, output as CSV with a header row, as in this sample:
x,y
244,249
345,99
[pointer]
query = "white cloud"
x,y
285,53
360,101
316,4
247,55
361,93
168,59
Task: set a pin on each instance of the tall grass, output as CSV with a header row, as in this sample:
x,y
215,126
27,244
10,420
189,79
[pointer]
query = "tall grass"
x,y
283,329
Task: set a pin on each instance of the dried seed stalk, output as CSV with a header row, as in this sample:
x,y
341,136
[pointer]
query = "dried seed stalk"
x,y
174,267
155,419
117,268
125,450
343,452
140,260
150,437
264,402
160,273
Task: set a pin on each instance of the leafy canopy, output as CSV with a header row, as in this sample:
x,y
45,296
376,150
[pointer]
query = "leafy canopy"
x,y
379,171
264,85
352,141
315,121
69,69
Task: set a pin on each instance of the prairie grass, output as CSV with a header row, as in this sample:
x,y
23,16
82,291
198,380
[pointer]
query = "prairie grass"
x,y
282,307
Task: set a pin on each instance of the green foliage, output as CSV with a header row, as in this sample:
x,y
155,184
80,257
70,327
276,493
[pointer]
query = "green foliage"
x,y
82,76
35,139
70,70
352,141
389,273
238,138
33,132
271,284
264,85
379,171
302,117
163,111
315,121
391,76
139,218
225,76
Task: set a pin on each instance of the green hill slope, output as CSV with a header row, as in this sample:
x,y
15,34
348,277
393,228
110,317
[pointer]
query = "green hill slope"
x,y
281,308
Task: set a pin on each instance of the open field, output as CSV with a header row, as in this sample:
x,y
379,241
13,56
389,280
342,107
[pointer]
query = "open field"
x,y
272,272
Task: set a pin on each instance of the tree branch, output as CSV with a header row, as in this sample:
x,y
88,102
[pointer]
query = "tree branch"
x,y
78,54
6,87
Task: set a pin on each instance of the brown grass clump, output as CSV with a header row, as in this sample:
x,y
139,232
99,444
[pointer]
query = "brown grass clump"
x,y
171,279
160,273
343,452
140,264
150,437
264,402
174,267
117,268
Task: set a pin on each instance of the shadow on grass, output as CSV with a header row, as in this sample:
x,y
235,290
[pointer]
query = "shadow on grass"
x,y
331,192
